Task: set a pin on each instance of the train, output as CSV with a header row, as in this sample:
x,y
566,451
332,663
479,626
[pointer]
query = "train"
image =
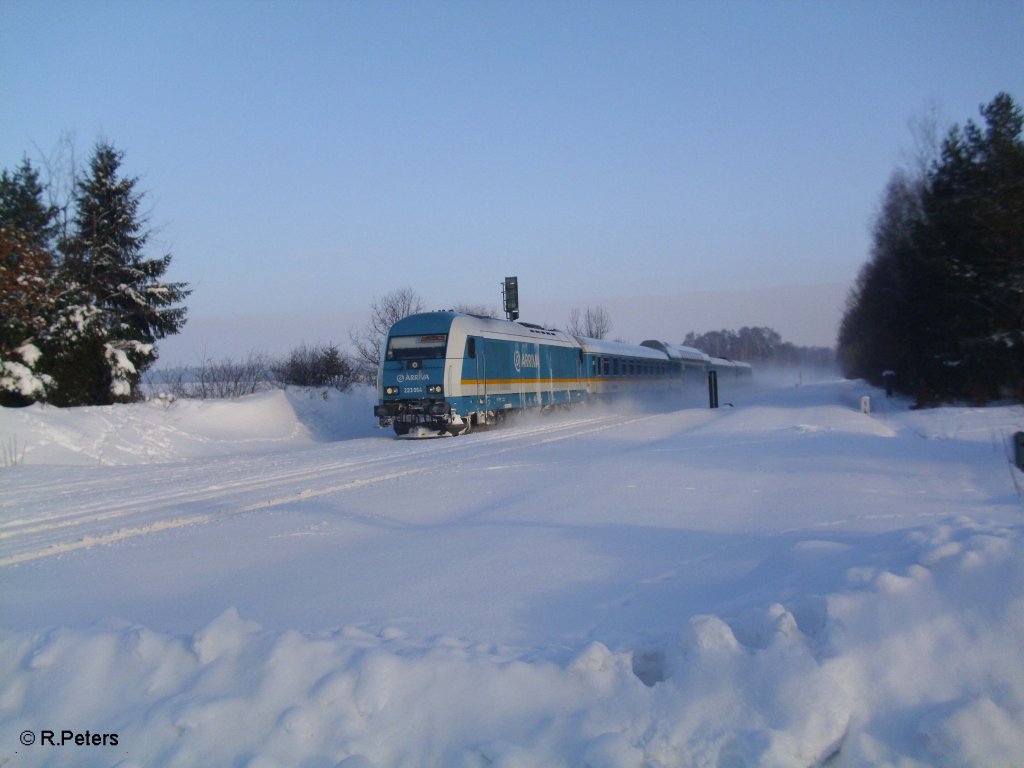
x,y
447,372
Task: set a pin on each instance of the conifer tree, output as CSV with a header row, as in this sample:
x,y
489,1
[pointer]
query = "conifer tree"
x,y
26,284
105,270
942,300
874,335
975,207
22,209
25,310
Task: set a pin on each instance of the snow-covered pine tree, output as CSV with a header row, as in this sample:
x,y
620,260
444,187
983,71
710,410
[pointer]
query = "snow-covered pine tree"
x,y
27,232
25,301
106,272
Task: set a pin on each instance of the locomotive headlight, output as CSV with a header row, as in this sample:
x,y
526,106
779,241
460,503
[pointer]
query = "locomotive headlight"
x,y
391,390
434,389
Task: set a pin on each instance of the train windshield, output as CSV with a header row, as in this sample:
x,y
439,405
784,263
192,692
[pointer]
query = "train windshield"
x,y
418,347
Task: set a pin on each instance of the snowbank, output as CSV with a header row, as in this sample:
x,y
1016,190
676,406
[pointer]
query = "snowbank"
x,y
921,667
159,431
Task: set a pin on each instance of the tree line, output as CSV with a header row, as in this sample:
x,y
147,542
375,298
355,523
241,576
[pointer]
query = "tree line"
x,y
759,345
81,304
940,302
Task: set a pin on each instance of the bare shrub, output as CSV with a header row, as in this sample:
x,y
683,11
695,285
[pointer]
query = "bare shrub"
x,y
384,313
315,366
594,323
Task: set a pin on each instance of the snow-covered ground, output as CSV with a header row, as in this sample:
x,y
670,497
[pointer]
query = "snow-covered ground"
x,y
275,582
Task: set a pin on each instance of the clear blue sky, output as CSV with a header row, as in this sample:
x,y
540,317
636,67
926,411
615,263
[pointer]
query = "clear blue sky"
x,y
302,158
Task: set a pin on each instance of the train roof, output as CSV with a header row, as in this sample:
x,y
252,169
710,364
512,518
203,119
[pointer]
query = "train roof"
x,y
446,320
676,351
449,320
619,348
724,362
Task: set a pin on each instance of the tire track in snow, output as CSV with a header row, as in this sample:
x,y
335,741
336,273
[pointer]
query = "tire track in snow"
x,y
209,490
55,530
57,516
180,522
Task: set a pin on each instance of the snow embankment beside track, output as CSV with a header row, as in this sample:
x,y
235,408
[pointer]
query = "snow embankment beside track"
x,y
162,430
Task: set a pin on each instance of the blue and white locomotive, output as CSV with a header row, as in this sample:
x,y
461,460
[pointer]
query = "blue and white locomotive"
x,y
448,372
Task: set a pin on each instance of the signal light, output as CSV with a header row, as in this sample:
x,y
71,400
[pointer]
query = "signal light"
x,y
512,297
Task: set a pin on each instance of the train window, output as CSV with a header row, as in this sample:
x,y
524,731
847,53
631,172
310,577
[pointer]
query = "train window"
x,y
417,347
471,347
